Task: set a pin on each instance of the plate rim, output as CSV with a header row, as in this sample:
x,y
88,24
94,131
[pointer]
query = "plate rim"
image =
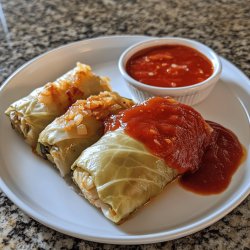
x,y
123,239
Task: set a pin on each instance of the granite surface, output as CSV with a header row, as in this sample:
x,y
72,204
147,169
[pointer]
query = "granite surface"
x,y
29,28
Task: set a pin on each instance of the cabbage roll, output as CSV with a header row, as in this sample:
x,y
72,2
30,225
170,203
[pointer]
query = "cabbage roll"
x,y
118,174
145,147
63,140
31,114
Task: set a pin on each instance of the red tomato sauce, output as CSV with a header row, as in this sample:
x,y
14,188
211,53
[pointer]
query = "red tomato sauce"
x,y
220,161
173,131
169,66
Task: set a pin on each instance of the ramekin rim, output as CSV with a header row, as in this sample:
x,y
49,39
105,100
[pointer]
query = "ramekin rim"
x,y
216,73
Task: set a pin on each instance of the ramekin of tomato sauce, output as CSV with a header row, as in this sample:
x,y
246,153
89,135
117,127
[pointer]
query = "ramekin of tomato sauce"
x,y
181,68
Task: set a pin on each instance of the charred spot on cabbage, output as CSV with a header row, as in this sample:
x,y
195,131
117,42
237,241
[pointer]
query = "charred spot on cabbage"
x,y
17,124
43,150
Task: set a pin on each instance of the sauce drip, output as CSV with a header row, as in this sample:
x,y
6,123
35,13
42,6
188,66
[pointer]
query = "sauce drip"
x,y
169,66
220,161
172,131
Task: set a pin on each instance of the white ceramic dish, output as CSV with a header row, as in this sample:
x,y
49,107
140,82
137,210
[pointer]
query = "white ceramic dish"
x,y
190,95
37,188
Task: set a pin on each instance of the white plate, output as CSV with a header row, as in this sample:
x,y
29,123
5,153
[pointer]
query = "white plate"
x,y
34,186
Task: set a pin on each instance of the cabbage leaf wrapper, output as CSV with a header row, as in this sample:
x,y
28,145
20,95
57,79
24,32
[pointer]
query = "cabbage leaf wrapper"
x,y
118,174
63,140
31,114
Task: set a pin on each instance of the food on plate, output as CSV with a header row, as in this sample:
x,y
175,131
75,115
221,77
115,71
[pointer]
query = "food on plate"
x,y
122,155
169,66
63,140
31,114
144,148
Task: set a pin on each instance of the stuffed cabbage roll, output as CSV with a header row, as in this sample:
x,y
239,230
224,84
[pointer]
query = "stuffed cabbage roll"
x,y
145,147
31,114
67,136
118,174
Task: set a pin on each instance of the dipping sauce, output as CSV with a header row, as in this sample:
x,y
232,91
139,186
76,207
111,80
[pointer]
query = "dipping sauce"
x,y
171,130
169,66
220,161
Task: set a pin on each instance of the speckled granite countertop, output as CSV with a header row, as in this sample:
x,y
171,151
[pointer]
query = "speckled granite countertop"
x,y
30,28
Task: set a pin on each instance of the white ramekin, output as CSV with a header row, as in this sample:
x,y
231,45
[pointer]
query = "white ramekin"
x,y
190,95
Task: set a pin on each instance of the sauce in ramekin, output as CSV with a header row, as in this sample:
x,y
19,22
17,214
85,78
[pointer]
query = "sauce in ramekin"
x,y
169,66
